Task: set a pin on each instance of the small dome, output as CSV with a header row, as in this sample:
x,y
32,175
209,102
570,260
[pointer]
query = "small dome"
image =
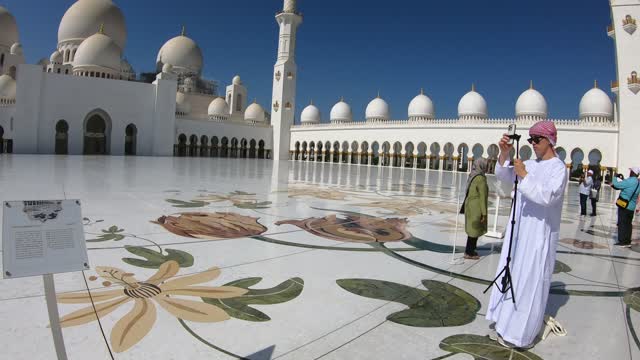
x,y
473,104
218,108
310,115
378,109
421,107
56,57
8,28
7,87
182,105
167,68
183,53
596,103
236,80
84,17
254,113
531,103
125,66
341,112
16,49
98,50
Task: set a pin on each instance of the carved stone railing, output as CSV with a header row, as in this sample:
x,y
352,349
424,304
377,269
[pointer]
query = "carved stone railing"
x,y
206,118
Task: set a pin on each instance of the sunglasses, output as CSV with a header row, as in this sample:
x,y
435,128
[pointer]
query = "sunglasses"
x,y
535,139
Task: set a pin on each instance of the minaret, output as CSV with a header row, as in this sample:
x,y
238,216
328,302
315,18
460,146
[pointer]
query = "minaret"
x,y
283,104
624,15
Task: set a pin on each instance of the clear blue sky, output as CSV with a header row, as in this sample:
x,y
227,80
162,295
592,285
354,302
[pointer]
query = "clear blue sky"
x,y
353,48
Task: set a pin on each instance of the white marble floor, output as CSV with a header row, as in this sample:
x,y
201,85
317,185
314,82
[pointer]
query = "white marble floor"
x,y
313,261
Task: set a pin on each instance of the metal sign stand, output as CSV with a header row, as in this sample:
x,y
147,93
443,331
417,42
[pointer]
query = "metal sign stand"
x,y
54,318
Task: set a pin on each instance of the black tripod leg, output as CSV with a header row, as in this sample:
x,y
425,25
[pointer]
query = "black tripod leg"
x,y
495,282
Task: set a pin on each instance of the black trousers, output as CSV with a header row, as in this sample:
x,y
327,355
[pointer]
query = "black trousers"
x,y
625,217
472,244
583,204
593,206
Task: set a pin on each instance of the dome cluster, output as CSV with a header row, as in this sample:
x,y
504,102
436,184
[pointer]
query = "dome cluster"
x,y
596,106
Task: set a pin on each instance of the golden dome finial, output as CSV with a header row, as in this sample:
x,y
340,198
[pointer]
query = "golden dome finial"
x,y
531,84
184,31
473,87
378,94
421,91
311,102
595,84
101,29
255,100
341,98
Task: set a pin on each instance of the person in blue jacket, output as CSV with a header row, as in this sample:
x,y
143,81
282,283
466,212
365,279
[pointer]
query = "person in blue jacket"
x,y
630,189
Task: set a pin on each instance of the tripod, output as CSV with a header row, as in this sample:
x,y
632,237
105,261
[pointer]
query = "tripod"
x,y
507,281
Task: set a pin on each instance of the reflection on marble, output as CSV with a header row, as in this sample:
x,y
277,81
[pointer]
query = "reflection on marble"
x,y
313,260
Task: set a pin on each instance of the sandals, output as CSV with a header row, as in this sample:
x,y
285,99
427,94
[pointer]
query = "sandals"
x,y
552,326
471,257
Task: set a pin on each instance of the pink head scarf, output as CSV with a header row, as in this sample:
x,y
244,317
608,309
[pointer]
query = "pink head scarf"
x,y
546,129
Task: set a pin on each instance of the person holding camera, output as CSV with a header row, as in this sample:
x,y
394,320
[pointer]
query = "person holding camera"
x,y
626,203
586,182
538,209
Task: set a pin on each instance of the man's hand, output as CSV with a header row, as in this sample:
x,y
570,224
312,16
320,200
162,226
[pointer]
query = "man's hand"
x,y
505,148
520,169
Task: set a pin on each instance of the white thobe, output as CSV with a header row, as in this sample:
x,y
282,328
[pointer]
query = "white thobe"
x,y
538,211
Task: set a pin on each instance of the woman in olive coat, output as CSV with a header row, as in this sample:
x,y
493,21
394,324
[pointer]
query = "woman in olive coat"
x,y
475,207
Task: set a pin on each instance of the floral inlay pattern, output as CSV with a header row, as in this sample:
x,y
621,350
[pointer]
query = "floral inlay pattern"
x,y
354,228
211,226
159,289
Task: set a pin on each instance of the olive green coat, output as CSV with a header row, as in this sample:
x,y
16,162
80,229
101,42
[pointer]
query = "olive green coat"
x,y
475,206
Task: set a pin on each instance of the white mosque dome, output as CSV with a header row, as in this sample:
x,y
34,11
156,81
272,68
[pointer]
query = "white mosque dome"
x,y
16,49
310,115
341,112
182,105
378,109
218,108
8,28
254,113
236,80
183,53
473,104
56,57
531,103
596,103
85,17
421,107
7,87
98,50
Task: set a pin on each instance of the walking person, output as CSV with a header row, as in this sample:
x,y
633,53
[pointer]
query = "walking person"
x,y
475,206
626,203
595,194
586,182
537,211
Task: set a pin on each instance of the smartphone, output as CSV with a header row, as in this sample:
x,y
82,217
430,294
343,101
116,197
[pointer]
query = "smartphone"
x,y
511,131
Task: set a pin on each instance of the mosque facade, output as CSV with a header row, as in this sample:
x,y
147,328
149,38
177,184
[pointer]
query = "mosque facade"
x,y
87,99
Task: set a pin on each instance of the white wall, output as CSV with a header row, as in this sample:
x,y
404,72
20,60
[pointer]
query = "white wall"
x,y
210,129
43,99
627,60
569,137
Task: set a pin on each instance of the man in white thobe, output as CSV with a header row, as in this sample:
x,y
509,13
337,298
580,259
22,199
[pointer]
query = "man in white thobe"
x,y
538,208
